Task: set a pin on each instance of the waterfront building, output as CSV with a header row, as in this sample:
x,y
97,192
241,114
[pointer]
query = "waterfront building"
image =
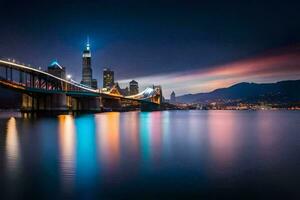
x,y
57,70
133,87
108,78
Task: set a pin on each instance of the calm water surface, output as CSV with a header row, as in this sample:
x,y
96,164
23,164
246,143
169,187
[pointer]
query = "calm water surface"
x,y
138,155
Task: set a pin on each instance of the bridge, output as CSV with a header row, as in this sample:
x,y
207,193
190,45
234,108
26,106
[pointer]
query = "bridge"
x,y
42,91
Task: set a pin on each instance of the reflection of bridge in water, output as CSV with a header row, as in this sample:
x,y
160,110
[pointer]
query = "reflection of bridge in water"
x,y
42,91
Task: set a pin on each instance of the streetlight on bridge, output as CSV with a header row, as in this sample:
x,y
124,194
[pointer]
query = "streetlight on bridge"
x,y
69,76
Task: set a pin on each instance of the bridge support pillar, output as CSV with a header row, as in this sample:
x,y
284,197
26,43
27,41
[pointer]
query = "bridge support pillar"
x,y
111,104
27,102
48,102
59,102
149,106
85,104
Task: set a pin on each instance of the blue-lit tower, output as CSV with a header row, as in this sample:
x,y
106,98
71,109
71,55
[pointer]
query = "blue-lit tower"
x,y
87,72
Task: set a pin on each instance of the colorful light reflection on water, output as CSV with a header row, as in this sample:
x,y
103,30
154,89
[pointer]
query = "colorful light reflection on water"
x,y
153,154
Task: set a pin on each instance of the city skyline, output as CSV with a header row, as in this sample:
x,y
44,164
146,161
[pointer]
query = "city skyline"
x,y
149,99
183,47
273,66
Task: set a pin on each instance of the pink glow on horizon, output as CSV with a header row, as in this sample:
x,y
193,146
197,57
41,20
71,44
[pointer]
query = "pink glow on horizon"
x,y
267,68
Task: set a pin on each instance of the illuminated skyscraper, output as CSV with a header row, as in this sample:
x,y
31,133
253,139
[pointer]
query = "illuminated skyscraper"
x,y
108,78
87,72
133,87
57,70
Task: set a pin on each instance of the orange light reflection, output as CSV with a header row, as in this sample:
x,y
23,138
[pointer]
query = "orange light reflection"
x,y
67,145
108,135
12,147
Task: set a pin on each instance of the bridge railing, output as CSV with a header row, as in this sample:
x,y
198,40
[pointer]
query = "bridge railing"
x,y
32,78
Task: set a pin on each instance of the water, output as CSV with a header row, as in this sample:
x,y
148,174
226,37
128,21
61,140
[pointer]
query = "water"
x,y
138,155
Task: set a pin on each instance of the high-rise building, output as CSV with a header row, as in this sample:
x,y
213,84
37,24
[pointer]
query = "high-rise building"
x,y
173,97
108,78
87,72
94,83
57,70
133,87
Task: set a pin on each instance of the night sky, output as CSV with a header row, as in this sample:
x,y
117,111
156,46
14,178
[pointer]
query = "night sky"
x,y
186,46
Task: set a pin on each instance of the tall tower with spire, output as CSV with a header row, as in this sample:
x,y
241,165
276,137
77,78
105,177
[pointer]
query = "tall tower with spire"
x,y
87,72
